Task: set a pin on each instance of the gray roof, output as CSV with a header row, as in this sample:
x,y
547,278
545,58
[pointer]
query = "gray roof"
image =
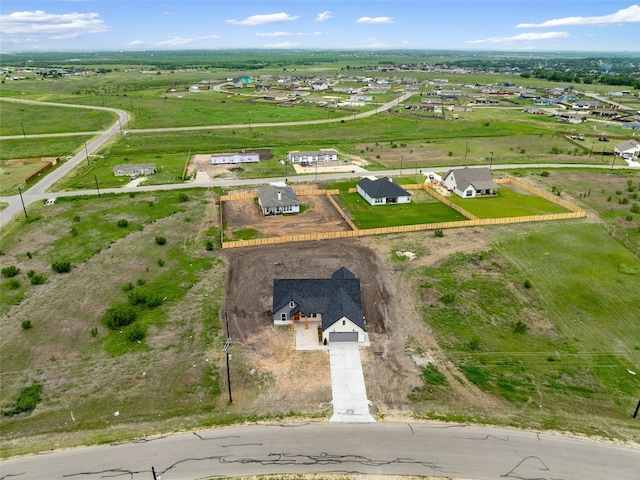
x,y
334,298
479,178
627,145
277,196
382,187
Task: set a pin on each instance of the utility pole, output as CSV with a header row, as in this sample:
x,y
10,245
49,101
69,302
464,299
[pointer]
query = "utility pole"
x,y
24,135
23,207
491,161
97,187
227,346
400,164
466,149
86,152
591,152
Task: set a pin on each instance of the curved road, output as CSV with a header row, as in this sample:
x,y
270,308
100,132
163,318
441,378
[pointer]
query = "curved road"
x,y
441,450
38,191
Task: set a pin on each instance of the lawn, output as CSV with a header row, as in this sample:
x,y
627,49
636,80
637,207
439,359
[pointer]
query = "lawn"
x,y
14,173
509,202
421,210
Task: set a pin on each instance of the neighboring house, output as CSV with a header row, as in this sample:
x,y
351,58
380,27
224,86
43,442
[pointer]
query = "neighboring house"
x,y
570,118
194,89
470,182
382,191
277,199
312,157
334,302
628,149
243,157
135,169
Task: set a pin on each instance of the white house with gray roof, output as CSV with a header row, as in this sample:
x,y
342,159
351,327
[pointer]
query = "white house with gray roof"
x,y
278,200
382,191
629,149
470,182
308,157
333,302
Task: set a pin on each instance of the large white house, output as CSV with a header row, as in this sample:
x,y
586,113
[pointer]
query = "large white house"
x,y
382,191
326,155
629,149
278,200
225,158
470,182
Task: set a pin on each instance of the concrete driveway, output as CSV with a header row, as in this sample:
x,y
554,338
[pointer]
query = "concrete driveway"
x,y
350,403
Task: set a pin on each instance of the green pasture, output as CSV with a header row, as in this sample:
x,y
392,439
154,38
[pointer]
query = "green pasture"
x,y
557,350
422,209
17,148
508,203
20,118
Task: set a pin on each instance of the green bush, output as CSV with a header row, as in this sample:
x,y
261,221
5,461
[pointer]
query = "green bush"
x,y
118,316
26,324
27,400
183,197
527,284
635,208
520,327
140,282
448,298
94,332
161,240
135,333
544,174
10,271
127,287
208,245
438,232
60,266
123,223
13,283
38,279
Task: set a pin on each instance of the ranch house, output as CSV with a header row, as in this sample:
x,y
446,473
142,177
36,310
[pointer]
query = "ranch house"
x,y
135,169
382,191
327,155
277,200
629,149
470,182
333,303
225,158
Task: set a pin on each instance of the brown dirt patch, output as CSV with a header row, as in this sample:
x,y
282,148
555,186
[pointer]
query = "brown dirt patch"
x,y
319,216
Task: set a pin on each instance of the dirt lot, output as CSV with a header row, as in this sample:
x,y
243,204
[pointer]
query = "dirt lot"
x,y
320,216
301,379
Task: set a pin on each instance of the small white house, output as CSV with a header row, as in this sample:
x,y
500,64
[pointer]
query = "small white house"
x,y
382,191
278,200
470,182
243,157
326,155
629,149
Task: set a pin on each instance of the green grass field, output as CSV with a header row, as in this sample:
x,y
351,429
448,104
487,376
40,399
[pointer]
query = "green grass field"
x,y
422,209
508,203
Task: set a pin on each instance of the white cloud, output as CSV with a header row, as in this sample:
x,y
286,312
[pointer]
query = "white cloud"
x,y
210,37
257,20
322,16
523,37
375,20
626,15
286,34
39,22
136,43
175,41
281,45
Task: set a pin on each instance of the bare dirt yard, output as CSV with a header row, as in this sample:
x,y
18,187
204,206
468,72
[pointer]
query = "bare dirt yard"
x,y
319,216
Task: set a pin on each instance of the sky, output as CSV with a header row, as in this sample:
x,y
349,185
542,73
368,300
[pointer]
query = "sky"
x,y
471,25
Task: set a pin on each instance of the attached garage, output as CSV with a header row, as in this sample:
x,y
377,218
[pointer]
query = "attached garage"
x,y
343,337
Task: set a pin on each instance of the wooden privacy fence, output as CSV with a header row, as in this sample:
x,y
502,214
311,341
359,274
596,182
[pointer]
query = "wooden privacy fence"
x,y
299,193
355,232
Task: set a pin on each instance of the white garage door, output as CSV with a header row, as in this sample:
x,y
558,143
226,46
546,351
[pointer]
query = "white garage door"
x,y
343,337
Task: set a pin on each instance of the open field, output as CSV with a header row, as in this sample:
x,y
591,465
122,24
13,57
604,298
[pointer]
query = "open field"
x,y
13,173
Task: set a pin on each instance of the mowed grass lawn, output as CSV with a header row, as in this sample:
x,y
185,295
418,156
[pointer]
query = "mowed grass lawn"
x,y
508,203
422,209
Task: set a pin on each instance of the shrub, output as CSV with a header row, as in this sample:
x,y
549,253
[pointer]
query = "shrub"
x,y
544,174
473,345
136,297
160,262
118,316
438,232
94,332
127,287
161,240
29,255
520,327
31,273
448,298
76,218
629,218
26,324
38,279
123,223
208,245
10,271
135,333
13,283
27,400
527,284
60,266
635,208
183,197
140,282
73,231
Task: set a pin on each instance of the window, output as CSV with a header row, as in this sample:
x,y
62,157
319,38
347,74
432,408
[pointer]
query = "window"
x,y
291,304
344,322
469,193
283,317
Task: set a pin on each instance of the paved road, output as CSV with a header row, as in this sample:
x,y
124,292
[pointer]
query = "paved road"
x,y
452,451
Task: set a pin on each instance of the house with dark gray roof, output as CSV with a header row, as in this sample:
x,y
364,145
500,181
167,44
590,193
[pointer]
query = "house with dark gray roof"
x,y
470,182
277,200
629,149
382,191
334,303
